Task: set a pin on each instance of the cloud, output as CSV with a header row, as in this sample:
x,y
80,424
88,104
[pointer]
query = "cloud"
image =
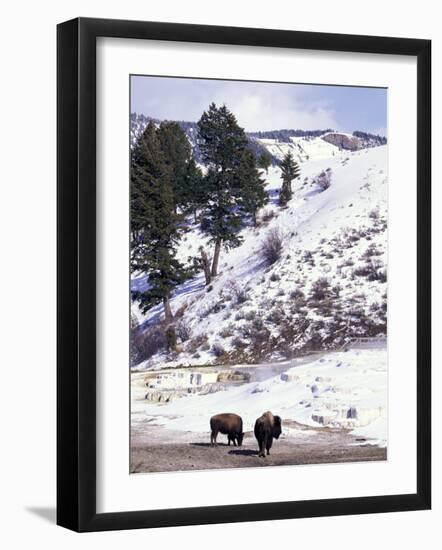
x,y
257,106
271,107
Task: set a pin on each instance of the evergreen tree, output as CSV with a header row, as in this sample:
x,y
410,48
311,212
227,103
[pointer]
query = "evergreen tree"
x,y
154,222
285,193
264,161
251,187
221,214
289,171
194,195
222,142
147,169
177,154
221,139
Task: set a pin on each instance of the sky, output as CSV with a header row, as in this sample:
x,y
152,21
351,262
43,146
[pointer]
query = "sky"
x,y
263,105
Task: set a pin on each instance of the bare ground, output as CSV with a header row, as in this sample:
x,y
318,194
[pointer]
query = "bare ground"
x,y
159,450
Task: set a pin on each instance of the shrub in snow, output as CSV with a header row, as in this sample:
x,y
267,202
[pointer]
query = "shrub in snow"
x,y
320,289
374,214
353,238
314,342
271,247
274,277
261,343
218,349
196,343
325,308
239,294
275,316
226,332
323,180
250,315
307,258
238,343
183,331
337,290
146,343
214,308
267,215
242,296
297,295
246,330
372,271
298,309
371,251
347,263
258,324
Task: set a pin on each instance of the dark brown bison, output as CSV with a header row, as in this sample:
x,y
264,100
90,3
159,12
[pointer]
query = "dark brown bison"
x,y
267,427
229,424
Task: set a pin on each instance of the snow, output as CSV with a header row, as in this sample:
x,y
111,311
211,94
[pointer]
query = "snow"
x,y
376,432
303,149
328,387
335,226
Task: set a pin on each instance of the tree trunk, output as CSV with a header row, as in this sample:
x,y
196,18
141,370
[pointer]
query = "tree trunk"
x,y
216,258
167,310
206,266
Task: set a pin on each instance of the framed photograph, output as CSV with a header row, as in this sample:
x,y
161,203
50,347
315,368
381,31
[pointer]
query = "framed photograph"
x,y
243,274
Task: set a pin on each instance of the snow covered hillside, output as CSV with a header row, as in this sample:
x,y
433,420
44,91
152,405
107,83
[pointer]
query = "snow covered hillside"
x,y
329,283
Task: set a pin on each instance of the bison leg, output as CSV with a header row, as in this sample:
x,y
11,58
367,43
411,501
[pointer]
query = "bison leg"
x,y
213,437
262,446
269,445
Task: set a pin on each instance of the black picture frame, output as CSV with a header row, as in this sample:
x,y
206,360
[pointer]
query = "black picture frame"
x,y
76,274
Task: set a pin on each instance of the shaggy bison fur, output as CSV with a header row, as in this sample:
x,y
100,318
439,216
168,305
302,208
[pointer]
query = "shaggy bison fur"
x,y
229,424
267,427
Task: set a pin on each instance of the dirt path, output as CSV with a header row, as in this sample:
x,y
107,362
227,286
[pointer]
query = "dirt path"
x,y
160,450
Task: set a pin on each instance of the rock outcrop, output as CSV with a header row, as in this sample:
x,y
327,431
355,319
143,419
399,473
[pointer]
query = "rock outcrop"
x,y
343,141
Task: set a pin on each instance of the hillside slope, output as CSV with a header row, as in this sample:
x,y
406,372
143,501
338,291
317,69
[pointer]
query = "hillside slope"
x,y
328,284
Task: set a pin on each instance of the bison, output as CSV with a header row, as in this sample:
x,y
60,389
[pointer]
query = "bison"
x,y
229,424
267,427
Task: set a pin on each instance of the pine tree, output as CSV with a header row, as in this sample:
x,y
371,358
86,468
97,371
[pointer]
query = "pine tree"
x,y
289,171
221,214
221,139
264,161
154,223
285,194
251,187
147,169
177,154
222,142
194,195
